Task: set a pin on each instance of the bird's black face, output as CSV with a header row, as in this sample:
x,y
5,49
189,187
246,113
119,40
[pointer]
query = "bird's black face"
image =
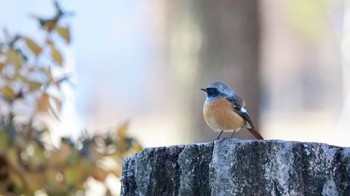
x,y
211,92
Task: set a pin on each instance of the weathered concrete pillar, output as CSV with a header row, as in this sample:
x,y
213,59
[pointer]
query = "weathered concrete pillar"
x,y
239,167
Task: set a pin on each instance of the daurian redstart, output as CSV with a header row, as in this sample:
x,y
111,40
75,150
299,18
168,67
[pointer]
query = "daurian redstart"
x,y
224,110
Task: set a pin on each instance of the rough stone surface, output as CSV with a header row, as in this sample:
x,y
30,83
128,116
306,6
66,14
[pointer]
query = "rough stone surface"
x,y
239,167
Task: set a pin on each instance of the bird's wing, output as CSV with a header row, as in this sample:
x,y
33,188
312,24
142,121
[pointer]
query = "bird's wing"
x,y
238,107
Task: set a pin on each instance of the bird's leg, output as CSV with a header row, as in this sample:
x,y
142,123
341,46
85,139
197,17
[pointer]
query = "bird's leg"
x,y
220,134
234,131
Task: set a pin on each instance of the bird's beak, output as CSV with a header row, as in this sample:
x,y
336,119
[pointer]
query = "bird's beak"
x,y
204,89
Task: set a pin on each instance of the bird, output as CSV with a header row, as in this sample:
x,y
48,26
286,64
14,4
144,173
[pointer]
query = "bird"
x,y
224,110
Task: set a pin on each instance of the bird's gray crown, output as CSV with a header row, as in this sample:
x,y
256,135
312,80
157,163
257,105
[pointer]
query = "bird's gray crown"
x,y
223,88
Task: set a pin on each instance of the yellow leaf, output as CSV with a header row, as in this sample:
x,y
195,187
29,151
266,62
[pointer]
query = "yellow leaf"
x,y
43,103
33,46
7,92
38,158
136,147
122,145
64,33
78,173
121,131
14,58
3,140
56,55
33,85
50,24
70,174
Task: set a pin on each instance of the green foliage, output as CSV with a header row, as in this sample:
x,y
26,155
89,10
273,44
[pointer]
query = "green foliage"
x,y
31,75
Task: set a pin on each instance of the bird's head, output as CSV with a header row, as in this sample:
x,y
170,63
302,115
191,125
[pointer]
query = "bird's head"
x,y
218,89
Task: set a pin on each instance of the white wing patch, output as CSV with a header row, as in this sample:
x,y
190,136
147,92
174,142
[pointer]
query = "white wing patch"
x,y
244,110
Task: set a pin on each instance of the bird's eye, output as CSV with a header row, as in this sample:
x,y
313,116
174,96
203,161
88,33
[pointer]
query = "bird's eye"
x,y
213,92
212,89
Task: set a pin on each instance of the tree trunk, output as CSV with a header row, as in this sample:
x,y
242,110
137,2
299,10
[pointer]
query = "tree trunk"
x,y
239,167
230,53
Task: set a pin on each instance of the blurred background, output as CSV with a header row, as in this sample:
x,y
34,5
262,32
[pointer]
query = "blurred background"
x,y
146,61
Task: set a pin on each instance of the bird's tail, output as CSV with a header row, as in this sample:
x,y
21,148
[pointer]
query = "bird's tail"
x,y
255,133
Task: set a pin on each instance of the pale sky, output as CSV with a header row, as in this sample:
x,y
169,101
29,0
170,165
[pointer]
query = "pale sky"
x,y
112,53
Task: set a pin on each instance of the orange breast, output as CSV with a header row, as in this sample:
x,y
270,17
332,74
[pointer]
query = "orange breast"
x,y
219,115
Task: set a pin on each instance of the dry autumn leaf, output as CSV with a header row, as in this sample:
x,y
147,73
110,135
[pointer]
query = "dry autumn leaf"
x,y
14,58
121,138
43,103
48,24
64,33
121,131
33,85
35,48
136,147
7,92
56,55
